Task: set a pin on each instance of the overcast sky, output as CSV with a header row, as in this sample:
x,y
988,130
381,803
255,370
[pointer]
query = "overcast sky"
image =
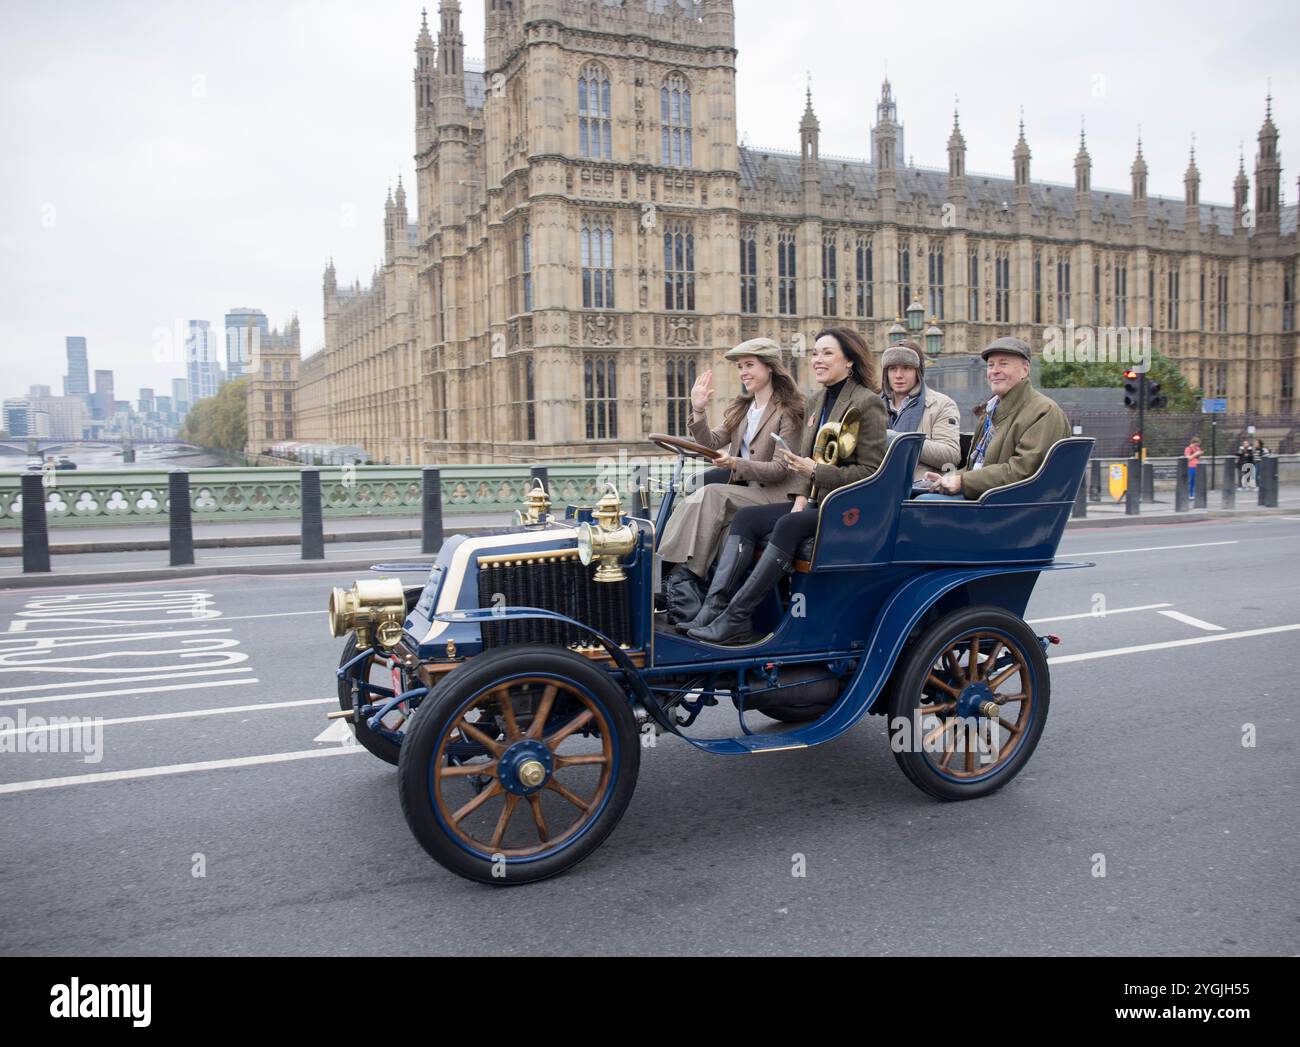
x,y
169,161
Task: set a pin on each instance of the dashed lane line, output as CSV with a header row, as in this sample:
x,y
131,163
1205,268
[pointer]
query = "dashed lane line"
x,y
176,768
1167,644
27,688
225,710
130,690
1197,623
1099,615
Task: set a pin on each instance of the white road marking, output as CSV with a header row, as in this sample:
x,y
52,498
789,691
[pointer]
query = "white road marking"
x,y
129,690
16,634
1187,619
1152,549
1142,648
221,711
120,679
177,768
338,733
1089,614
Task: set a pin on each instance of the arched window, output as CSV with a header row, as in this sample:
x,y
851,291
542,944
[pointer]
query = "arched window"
x,y
593,113
597,262
675,118
679,266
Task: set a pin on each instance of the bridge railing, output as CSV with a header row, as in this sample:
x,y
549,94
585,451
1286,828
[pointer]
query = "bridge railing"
x,y
90,497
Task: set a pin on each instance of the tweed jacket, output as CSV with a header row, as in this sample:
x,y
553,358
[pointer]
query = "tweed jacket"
x,y
759,468
870,449
1025,425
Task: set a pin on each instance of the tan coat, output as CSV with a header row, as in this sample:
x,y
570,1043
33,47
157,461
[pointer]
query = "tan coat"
x,y
758,469
695,531
941,427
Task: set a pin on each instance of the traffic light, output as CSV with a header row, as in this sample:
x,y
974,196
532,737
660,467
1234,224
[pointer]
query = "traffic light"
x,y
1136,439
1132,396
1154,400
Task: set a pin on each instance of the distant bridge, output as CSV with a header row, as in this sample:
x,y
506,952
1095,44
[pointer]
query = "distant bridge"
x,y
44,445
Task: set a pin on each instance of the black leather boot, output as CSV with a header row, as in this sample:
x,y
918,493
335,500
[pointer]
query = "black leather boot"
x,y
683,594
735,558
732,626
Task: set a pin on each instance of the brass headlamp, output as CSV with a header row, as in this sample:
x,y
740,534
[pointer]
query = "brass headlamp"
x,y
537,506
608,540
370,608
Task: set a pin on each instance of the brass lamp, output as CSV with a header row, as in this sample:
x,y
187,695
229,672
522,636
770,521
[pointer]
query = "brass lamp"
x,y
370,607
607,540
537,506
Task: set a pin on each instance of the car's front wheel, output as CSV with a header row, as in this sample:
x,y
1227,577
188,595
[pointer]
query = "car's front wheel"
x,y
519,764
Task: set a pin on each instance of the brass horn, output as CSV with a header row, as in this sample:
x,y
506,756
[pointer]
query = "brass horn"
x,y
837,440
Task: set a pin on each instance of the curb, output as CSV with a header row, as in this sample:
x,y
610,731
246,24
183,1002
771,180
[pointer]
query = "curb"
x,y
237,541
1191,516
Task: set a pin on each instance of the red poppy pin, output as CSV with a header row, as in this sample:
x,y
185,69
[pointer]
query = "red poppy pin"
x,y
851,517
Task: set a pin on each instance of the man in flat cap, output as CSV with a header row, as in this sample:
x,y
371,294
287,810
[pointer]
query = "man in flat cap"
x,y
1014,430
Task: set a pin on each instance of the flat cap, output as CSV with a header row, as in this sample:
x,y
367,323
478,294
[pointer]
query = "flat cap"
x,y
763,348
1014,346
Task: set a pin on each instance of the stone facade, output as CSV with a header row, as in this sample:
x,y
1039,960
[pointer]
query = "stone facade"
x,y
590,236
273,382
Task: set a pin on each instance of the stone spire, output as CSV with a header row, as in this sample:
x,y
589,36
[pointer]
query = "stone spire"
x,y
809,131
1083,165
451,66
1268,175
1241,195
1020,157
1139,173
887,135
1192,180
957,194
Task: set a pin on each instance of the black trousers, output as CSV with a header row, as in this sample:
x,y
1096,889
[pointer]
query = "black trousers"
x,y
783,529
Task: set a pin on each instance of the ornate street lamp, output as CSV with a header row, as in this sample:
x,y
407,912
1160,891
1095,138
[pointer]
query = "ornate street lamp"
x,y
897,333
915,316
933,338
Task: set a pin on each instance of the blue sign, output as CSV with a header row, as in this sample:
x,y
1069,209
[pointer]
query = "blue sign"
x,y
1214,407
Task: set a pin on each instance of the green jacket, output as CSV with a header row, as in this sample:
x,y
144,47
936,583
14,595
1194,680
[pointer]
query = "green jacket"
x,y
870,449
1025,426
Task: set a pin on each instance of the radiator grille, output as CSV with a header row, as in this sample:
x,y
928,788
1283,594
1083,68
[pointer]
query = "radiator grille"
x,y
555,583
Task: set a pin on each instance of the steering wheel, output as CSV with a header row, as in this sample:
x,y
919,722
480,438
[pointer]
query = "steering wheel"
x,y
689,448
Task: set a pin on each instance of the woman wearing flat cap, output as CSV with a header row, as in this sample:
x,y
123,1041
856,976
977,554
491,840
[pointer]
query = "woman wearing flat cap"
x,y
916,408
769,404
850,379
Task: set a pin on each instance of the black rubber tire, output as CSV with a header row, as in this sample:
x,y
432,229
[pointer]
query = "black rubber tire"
x,y
440,709
991,621
371,742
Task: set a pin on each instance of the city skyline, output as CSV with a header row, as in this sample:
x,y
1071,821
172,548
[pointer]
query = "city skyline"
x,y
151,219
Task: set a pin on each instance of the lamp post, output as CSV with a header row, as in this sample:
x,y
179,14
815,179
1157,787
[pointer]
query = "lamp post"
x,y
897,333
933,338
915,317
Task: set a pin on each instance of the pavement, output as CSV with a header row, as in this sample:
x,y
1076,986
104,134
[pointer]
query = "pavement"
x,y
1160,814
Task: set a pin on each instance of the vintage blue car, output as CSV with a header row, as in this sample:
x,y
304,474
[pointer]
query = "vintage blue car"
x,y
516,689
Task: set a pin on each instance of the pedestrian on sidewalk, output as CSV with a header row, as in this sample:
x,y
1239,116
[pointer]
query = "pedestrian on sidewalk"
x,y
1192,452
1245,465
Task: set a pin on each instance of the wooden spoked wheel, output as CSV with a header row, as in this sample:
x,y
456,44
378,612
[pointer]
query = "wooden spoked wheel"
x,y
547,767
969,703
959,736
519,764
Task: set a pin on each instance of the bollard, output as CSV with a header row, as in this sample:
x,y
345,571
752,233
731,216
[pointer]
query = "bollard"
x,y
180,519
1094,481
1080,502
1229,493
1202,499
641,491
313,524
1148,482
1133,493
36,529
1180,487
431,542
1268,482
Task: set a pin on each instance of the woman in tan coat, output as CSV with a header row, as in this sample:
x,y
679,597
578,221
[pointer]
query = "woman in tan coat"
x,y
769,405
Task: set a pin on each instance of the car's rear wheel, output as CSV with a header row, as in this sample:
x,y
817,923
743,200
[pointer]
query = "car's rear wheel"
x,y
518,765
970,704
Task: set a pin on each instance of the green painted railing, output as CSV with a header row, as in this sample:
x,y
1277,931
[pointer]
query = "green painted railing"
x,y
92,497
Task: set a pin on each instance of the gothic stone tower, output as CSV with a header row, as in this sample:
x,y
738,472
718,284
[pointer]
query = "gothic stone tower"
x,y
578,221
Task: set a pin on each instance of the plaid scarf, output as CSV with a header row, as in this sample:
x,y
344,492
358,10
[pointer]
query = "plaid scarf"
x,y
986,435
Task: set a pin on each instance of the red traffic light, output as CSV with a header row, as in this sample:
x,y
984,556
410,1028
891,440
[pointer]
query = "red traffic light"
x,y
1136,438
1130,375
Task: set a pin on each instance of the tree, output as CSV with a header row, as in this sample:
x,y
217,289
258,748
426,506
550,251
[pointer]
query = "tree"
x,y
1183,396
220,423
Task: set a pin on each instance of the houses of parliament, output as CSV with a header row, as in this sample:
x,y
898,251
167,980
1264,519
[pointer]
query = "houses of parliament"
x,y
587,235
